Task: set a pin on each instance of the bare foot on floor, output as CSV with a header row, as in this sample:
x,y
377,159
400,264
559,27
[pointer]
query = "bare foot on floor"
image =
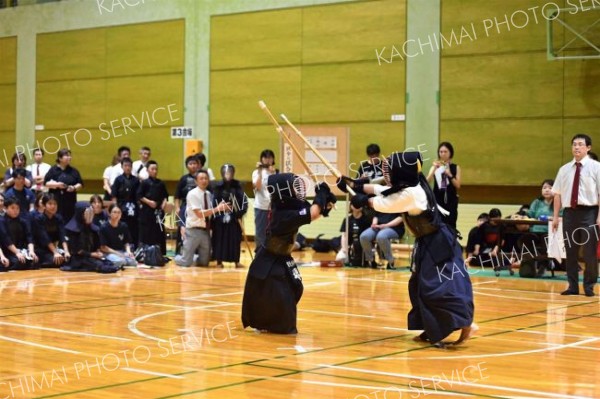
x,y
467,333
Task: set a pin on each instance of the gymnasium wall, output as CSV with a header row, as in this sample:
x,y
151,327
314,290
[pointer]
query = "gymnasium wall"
x,y
90,83
510,112
8,96
315,64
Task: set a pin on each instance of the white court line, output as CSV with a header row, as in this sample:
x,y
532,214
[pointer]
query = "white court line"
x,y
54,348
212,295
495,354
166,305
519,298
485,282
469,384
63,331
101,280
152,373
336,313
385,389
553,334
133,323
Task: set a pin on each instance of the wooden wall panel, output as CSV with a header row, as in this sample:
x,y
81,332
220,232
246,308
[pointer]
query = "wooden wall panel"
x,y
582,87
503,86
242,145
352,92
331,76
145,49
260,39
144,94
8,97
71,104
352,32
505,152
488,33
90,78
8,60
78,54
235,95
90,157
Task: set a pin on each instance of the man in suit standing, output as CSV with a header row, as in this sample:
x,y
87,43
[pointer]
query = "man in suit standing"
x,y
577,188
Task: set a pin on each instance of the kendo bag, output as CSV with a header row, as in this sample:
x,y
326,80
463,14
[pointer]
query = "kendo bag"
x,y
153,256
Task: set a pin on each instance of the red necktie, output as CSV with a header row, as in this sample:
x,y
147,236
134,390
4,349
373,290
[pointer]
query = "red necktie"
x,y
575,189
39,186
206,208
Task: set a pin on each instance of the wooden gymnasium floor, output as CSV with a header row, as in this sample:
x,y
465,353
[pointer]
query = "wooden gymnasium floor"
x,y
175,333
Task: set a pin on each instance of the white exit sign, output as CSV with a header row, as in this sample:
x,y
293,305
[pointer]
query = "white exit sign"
x,y
398,117
182,132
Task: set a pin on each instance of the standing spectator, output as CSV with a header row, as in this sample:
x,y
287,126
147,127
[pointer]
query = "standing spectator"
x,y
201,158
197,223
384,228
123,192
38,170
371,168
152,196
577,188
262,199
24,196
49,234
63,181
446,182
117,170
115,240
107,178
139,169
18,161
227,227
186,184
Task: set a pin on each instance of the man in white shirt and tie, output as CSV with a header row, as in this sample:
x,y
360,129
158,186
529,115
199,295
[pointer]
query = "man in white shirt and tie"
x,y
198,213
577,188
38,170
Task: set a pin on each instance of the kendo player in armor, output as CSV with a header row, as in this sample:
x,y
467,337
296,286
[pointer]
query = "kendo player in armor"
x,y
274,285
439,288
226,227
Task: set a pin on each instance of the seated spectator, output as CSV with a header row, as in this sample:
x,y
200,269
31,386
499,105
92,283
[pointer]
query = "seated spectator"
x,y
16,238
115,239
474,235
84,240
489,245
38,205
358,222
372,168
100,214
384,228
2,209
542,207
49,234
18,161
23,195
